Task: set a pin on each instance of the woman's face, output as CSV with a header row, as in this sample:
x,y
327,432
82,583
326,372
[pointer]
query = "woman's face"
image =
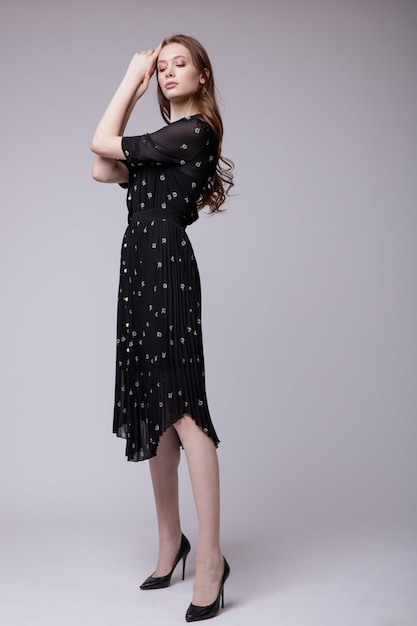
x,y
177,76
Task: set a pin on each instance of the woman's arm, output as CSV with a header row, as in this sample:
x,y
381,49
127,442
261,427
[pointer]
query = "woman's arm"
x,y
108,170
106,142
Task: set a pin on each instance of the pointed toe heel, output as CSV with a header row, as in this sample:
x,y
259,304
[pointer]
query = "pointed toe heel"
x,y
160,582
197,613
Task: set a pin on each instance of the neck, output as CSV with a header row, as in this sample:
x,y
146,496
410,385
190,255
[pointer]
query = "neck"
x,y
178,110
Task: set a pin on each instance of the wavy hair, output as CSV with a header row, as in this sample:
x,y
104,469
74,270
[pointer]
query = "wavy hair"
x,y
215,192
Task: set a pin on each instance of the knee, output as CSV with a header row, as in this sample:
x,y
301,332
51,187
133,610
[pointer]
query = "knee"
x,y
183,425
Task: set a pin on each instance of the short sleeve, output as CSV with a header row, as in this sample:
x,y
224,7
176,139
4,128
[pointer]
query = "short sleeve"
x,y
174,144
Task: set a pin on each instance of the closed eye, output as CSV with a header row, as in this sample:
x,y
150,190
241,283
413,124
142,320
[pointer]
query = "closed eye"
x,y
162,69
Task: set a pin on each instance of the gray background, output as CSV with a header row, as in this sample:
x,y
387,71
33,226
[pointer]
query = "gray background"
x,y
309,298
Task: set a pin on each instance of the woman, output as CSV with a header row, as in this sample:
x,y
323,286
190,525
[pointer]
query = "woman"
x,y
160,401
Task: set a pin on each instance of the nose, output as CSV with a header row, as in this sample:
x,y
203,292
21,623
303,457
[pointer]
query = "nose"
x,y
169,71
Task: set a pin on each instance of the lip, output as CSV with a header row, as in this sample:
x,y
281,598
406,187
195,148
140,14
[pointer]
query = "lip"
x,y
170,84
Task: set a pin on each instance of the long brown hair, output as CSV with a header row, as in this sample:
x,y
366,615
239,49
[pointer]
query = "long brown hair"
x,y
218,187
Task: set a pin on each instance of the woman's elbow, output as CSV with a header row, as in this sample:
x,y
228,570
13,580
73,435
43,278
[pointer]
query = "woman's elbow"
x,y
98,172
95,147
97,176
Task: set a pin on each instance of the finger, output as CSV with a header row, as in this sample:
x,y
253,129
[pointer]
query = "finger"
x,y
157,51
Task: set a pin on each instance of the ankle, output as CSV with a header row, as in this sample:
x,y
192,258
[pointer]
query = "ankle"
x,y
209,559
169,537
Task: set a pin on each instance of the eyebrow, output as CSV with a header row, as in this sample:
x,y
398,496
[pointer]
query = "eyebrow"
x,y
178,56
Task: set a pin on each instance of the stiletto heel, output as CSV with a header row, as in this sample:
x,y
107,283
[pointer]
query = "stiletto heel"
x,y
196,613
183,565
160,582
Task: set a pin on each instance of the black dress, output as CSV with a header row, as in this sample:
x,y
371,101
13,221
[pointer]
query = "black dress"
x,y
160,363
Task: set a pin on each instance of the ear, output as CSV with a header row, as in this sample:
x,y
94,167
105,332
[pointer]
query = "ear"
x,y
204,76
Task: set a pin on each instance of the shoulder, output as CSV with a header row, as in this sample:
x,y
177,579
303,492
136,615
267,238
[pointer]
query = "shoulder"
x,y
195,123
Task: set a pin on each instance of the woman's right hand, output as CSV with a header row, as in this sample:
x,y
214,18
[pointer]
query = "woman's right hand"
x,y
141,68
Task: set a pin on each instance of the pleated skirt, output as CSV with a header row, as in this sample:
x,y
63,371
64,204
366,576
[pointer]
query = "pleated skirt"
x,y
159,354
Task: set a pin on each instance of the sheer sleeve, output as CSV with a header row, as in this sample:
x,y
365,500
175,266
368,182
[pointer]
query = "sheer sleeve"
x,y
174,144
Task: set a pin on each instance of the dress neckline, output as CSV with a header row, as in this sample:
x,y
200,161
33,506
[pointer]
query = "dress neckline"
x,y
188,117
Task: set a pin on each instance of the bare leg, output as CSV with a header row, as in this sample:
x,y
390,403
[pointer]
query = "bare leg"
x,y
204,473
164,473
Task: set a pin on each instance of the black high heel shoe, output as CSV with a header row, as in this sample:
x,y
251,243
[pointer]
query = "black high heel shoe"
x,y
196,613
160,582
